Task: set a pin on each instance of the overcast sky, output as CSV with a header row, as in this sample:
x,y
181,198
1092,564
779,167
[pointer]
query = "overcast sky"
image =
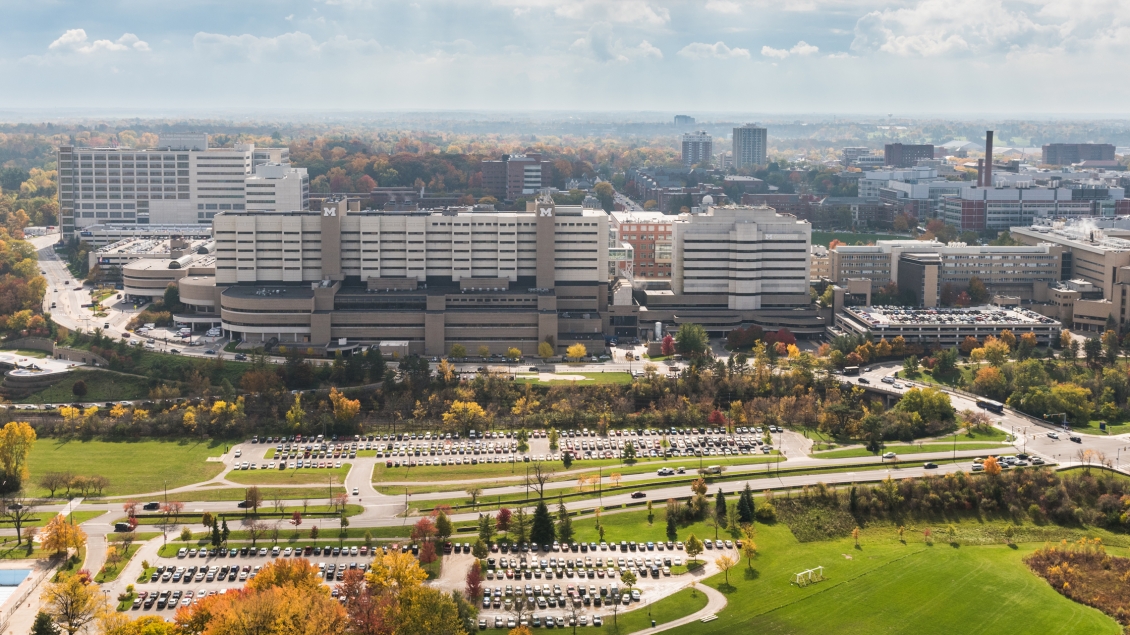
x,y
960,57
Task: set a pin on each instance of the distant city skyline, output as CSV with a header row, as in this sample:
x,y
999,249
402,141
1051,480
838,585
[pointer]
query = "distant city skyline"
x,y
930,57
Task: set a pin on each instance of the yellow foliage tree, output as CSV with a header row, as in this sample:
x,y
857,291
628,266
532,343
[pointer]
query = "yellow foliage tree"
x,y
16,441
576,351
395,572
74,602
465,415
300,573
345,409
59,535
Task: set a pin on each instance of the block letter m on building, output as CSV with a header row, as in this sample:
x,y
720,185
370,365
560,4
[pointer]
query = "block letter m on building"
x,y
329,211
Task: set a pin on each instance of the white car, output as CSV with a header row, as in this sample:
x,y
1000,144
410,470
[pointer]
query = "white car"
x,y
1053,435
889,455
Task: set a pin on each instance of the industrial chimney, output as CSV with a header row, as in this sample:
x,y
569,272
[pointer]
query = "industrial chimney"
x,y
988,158
980,172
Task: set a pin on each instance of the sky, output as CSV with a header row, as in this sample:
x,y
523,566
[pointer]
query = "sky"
x,y
937,57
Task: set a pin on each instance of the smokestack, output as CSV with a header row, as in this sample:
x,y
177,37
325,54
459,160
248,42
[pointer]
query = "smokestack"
x,y
988,158
980,172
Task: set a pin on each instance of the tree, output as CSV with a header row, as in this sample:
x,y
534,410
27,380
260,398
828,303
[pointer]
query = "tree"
x,y
521,525
474,580
554,439
16,441
629,452
484,351
1092,350
667,347
256,529
474,492
78,388
749,547
538,478
745,506
59,536
502,520
465,415
513,353
443,527
993,351
296,520
253,498
18,509
910,366
991,382
992,466
978,294
1111,346
726,562
628,577
52,481
44,625
576,351
458,351
296,416
693,547
74,602
542,531
486,528
545,350
691,339
564,523
969,344
345,409
186,534
299,573
720,506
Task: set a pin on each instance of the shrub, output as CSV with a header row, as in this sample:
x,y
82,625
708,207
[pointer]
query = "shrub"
x,y
766,512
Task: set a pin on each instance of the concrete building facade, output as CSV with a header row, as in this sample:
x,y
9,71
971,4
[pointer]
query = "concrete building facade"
x,y
698,148
751,144
516,175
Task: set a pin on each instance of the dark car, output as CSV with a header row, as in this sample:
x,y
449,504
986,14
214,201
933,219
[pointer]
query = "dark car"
x,y
639,495
1075,439
240,357
930,466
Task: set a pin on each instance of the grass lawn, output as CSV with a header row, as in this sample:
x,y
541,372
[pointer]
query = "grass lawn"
x,y
900,448
824,238
890,587
992,434
1092,427
666,610
110,572
133,467
101,385
26,352
518,470
589,378
269,493
300,476
42,518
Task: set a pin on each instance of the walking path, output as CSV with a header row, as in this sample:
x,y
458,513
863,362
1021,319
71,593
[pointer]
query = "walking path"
x,y
715,603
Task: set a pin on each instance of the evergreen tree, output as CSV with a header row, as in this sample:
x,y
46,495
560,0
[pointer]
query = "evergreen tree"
x,y
720,506
224,531
564,523
672,528
745,506
542,532
43,625
216,537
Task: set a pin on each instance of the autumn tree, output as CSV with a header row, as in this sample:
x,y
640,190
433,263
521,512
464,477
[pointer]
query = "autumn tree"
x,y
345,409
576,351
465,415
74,602
726,562
16,441
60,535
693,547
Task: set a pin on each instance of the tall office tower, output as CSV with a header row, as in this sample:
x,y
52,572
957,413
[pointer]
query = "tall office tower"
x,y
902,155
749,146
698,148
515,175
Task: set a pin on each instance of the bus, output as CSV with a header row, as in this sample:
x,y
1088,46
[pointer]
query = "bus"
x,y
989,404
851,370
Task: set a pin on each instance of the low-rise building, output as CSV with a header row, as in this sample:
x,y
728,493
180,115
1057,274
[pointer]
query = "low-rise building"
x,y
943,328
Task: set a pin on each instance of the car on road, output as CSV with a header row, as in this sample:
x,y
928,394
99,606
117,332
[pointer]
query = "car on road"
x,y
355,491
1075,439
888,455
896,385
209,351
174,351
533,369
1053,435
639,495
864,380
240,357
930,466
888,380
978,467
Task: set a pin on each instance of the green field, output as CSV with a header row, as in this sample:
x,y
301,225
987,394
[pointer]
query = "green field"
x,y
589,378
301,476
101,385
666,610
133,467
824,238
890,587
901,448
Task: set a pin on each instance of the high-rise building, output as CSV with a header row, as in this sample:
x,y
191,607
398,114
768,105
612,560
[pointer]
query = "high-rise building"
x,y
684,120
698,148
516,175
901,155
181,181
750,142
1068,153
849,155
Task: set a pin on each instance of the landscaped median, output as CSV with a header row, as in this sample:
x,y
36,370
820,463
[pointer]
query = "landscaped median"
x,y
301,476
311,512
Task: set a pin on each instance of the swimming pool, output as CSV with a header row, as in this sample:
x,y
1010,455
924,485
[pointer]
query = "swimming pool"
x,y
10,580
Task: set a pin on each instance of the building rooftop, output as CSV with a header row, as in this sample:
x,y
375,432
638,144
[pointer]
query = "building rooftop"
x,y
887,316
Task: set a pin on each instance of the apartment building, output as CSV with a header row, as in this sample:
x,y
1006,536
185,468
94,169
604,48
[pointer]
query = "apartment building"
x,y
750,146
343,277
516,175
698,148
181,181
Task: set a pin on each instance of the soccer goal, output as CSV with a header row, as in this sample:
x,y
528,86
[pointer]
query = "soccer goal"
x,y
811,576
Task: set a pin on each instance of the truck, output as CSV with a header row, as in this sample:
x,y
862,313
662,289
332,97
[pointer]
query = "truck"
x,y
712,469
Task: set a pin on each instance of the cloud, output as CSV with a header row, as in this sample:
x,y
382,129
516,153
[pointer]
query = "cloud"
x,y
637,12
718,50
724,6
800,48
75,40
939,27
295,45
601,44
